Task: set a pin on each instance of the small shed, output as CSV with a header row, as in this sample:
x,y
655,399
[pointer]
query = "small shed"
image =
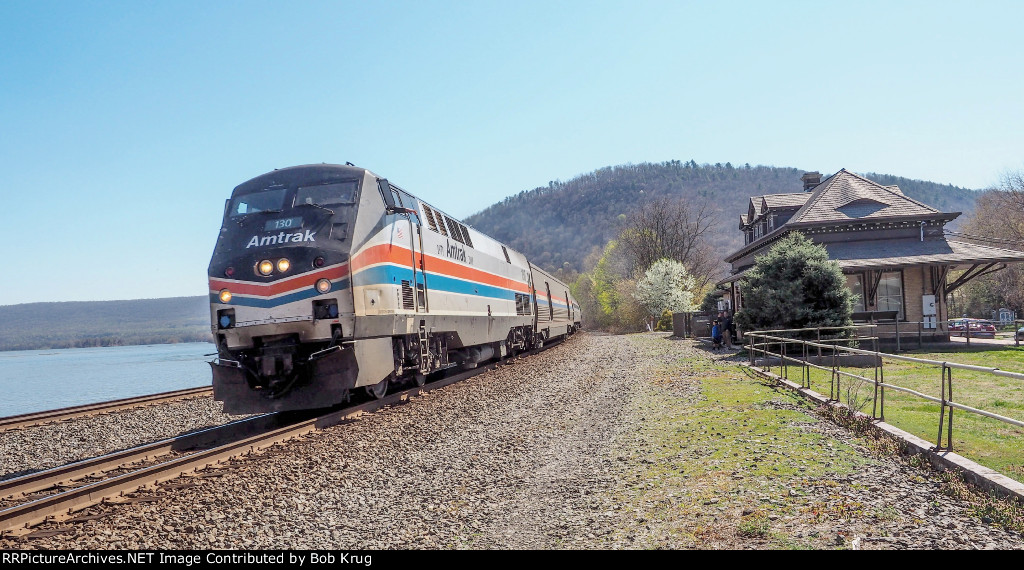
x,y
1004,316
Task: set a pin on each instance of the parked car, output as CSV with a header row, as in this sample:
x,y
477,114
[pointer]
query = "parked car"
x,y
979,328
1020,334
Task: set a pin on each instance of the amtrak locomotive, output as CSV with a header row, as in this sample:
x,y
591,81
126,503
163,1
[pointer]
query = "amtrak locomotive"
x,y
328,278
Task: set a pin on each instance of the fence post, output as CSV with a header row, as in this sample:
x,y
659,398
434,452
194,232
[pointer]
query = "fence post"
x,y
920,336
765,365
881,370
833,389
874,401
947,384
780,358
805,379
898,349
783,365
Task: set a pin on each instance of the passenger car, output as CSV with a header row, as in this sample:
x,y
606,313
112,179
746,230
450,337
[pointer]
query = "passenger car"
x,y
979,328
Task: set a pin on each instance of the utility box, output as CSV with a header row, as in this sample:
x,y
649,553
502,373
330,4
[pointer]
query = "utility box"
x,y
928,311
928,305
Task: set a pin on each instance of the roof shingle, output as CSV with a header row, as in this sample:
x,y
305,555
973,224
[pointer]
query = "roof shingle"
x,y
874,254
830,201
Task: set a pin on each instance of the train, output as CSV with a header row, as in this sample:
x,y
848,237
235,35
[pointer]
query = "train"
x,y
327,280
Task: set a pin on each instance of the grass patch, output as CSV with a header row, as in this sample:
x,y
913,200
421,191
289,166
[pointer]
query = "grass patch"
x,y
720,457
754,526
989,508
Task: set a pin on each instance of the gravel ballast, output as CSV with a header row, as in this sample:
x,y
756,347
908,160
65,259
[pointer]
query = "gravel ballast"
x,y
51,445
600,442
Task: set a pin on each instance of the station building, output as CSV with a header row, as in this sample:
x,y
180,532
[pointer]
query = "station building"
x,y
897,257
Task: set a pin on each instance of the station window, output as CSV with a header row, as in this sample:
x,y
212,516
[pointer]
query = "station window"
x,y
855,283
890,292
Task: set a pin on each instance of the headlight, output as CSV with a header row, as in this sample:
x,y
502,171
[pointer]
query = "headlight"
x,y
283,265
225,296
323,285
265,267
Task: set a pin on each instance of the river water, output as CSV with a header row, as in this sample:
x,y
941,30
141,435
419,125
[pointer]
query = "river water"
x,y
36,380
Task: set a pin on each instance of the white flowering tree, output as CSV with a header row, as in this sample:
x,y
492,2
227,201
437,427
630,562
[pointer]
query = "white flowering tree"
x,y
665,286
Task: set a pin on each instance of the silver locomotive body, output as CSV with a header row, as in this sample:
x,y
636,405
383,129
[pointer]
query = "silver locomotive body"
x,y
327,278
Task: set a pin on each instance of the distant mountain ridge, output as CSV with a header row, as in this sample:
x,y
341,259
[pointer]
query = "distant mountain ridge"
x,y
563,222
553,225
74,324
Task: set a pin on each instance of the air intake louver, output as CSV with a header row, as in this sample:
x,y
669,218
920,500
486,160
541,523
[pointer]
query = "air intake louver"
x,y
407,300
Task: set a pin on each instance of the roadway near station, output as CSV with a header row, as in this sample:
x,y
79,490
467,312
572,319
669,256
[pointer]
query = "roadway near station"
x,y
602,442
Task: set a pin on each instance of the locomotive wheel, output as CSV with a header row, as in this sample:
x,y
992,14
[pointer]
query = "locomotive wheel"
x,y
377,391
419,379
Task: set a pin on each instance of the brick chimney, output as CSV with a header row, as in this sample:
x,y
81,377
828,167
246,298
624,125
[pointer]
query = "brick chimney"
x,y
811,179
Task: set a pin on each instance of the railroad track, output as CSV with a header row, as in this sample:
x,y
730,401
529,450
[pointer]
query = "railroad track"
x,y
56,495
61,414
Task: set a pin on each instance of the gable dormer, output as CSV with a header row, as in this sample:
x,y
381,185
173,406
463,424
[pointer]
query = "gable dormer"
x,y
861,208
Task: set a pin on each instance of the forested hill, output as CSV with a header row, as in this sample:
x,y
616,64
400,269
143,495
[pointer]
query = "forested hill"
x,y
104,323
563,222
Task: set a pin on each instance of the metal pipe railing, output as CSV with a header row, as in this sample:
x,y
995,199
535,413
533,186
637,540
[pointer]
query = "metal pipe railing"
x,y
946,404
896,330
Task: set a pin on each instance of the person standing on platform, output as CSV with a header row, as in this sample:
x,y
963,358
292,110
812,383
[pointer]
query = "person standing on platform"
x,y
728,330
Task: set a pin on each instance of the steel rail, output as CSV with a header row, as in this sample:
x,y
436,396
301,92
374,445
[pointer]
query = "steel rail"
x,y
73,472
65,503
61,414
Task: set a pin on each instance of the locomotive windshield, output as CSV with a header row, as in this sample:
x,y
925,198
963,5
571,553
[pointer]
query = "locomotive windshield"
x,y
327,194
257,202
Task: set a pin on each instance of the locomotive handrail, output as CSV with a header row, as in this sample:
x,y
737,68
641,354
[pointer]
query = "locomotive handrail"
x,y
325,351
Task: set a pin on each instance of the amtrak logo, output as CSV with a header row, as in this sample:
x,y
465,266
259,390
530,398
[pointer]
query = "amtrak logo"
x,y
455,251
280,238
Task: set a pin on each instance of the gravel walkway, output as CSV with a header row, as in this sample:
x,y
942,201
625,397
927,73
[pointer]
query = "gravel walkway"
x,y
553,451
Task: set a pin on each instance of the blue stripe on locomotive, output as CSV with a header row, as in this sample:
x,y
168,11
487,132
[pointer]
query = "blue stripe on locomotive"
x,y
392,275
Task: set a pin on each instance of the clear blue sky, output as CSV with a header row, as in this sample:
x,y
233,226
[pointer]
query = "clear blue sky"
x,y
125,125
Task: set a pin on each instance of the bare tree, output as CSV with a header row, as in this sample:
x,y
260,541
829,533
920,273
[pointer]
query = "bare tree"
x,y
672,229
998,220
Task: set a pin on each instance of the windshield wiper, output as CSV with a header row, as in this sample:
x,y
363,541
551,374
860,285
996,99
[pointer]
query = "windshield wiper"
x,y
316,206
243,217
